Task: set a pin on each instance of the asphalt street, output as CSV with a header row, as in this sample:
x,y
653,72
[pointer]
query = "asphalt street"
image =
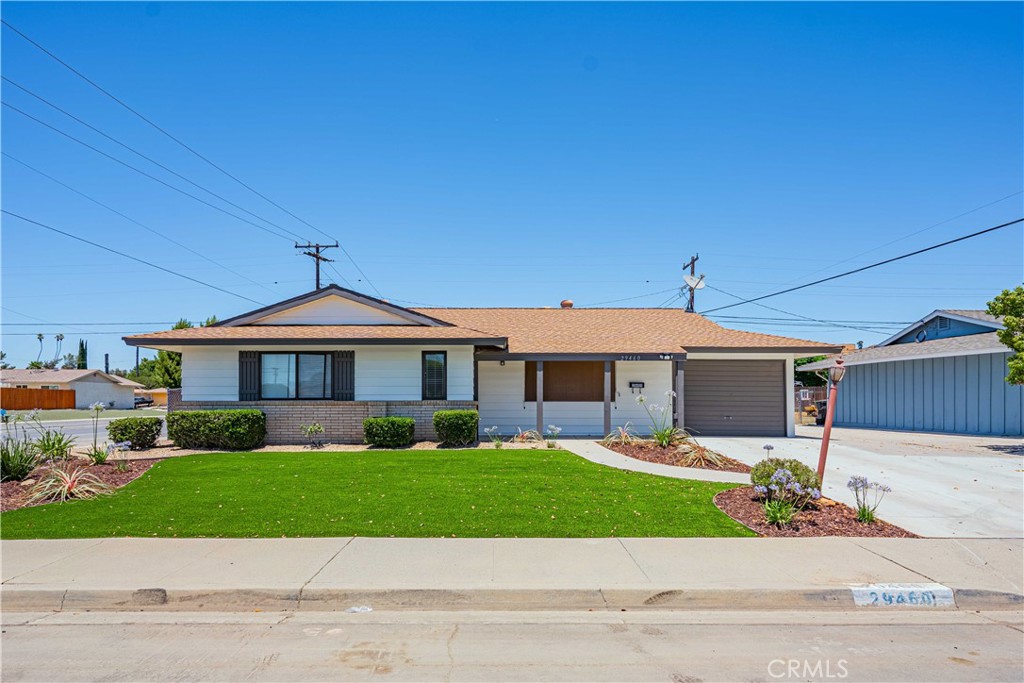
x,y
674,647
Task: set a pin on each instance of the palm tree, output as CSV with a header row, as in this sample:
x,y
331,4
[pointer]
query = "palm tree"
x,y
60,342
39,338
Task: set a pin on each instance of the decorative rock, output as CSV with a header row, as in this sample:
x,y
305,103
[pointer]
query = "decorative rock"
x,y
28,482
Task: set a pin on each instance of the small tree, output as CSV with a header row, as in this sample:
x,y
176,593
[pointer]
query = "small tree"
x,y
70,362
82,362
4,365
1009,304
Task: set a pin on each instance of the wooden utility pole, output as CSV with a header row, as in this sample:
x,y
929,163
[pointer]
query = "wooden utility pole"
x,y
316,256
692,265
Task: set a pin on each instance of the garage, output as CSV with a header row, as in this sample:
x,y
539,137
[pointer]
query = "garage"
x,y
735,397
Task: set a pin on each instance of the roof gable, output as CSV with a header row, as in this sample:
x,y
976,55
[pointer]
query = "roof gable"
x,y
332,305
945,323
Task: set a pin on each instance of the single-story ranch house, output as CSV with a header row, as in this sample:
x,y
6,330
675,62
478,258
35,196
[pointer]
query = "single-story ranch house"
x,y
336,356
944,373
90,386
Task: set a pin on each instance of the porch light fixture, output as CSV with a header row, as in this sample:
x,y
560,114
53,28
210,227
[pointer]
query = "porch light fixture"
x,y
835,376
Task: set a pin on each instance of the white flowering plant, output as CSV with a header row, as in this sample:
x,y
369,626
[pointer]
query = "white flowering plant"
x,y
663,431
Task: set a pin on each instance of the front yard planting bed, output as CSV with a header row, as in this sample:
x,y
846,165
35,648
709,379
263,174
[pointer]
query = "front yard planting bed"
x,y
674,455
822,517
15,494
408,493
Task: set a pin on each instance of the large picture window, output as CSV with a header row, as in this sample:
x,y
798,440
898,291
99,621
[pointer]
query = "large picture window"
x,y
295,376
435,375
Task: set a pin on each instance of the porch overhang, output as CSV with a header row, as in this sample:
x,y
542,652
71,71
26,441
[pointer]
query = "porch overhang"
x,y
486,355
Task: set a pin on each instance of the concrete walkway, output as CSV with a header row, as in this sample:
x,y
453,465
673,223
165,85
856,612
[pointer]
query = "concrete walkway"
x,y
402,573
595,452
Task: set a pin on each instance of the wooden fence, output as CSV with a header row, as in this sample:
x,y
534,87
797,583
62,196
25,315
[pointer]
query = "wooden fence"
x,y
29,399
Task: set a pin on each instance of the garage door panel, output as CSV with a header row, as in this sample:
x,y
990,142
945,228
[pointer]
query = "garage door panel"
x,y
735,397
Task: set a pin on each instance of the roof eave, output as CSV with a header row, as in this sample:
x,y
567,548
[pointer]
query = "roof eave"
x,y
156,343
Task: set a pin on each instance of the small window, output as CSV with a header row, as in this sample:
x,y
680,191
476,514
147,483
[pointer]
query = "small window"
x,y
435,375
50,386
295,375
943,323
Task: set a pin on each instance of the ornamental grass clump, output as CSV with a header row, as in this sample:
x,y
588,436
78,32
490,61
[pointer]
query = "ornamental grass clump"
x,y
61,484
18,457
494,435
552,433
622,436
869,496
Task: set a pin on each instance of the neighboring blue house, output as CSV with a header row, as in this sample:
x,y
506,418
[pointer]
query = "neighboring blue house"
x,y
944,373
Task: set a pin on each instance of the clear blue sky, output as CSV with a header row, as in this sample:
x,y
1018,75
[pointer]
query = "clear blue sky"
x,y
515,155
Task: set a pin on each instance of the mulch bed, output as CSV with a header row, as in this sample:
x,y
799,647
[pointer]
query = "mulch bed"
x,y
14,494
672,455
823,517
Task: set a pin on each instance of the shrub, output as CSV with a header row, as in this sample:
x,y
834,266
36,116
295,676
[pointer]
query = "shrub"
x,y
53,443
18,457
761,474
388,432
456,427
233,430
140,432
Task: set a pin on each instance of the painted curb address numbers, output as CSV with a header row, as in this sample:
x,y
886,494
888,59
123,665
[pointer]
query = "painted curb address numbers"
x,y
906,595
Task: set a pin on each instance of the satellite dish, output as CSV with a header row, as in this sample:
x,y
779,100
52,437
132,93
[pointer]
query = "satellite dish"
x,y
694,282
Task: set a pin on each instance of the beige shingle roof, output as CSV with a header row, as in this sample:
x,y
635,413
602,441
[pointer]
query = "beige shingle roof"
x,y
528,330
312,333
13,376
987,342
613,330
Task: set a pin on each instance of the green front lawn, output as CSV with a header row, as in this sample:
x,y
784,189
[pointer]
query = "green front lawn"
x,y
474,493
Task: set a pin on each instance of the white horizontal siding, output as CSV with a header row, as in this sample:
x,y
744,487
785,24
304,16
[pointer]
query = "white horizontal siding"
x,y
501,390
332,310
384,373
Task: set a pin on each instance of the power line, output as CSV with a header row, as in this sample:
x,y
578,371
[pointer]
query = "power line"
x,y
129,256
795,315
147,158
868,267
141,225
187,147
172,322
675,297
916,232
631,298
141,172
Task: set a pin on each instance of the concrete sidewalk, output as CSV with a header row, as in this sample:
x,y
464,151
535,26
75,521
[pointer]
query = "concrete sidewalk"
x,y
600,574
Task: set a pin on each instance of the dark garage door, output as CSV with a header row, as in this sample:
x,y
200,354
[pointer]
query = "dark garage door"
x,y
735,397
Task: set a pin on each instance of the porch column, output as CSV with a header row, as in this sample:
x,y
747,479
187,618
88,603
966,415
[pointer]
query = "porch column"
x,y
540,397
607,397
677,386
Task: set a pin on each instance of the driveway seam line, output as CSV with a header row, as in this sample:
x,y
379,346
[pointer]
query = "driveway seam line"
x,y
43,566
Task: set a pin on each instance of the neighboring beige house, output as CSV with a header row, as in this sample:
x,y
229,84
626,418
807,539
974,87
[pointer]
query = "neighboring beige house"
x,y
90,386
336,356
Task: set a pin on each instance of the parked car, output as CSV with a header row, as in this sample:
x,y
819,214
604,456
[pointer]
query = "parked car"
x,y
141,401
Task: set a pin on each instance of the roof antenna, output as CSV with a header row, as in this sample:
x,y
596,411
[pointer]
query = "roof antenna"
x,y
693,283
315,255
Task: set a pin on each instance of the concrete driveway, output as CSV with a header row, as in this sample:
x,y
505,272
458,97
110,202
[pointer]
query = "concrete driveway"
x,y
943,485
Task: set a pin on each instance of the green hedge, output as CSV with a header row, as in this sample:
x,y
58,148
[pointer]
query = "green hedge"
x,y
761,473
456,427
388,432
232,430
142,432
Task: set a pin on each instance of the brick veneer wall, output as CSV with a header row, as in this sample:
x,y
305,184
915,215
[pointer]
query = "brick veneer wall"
x,y
342,420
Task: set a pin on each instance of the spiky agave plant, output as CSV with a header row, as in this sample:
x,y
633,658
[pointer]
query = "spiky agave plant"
x,y
624,435
61,484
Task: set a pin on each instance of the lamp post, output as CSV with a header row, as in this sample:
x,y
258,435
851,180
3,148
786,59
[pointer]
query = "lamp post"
x,y
835,376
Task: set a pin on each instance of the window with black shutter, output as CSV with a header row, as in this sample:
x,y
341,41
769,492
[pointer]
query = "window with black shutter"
x,y
435,375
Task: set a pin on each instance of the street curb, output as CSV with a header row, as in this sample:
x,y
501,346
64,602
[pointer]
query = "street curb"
x,y
28,599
